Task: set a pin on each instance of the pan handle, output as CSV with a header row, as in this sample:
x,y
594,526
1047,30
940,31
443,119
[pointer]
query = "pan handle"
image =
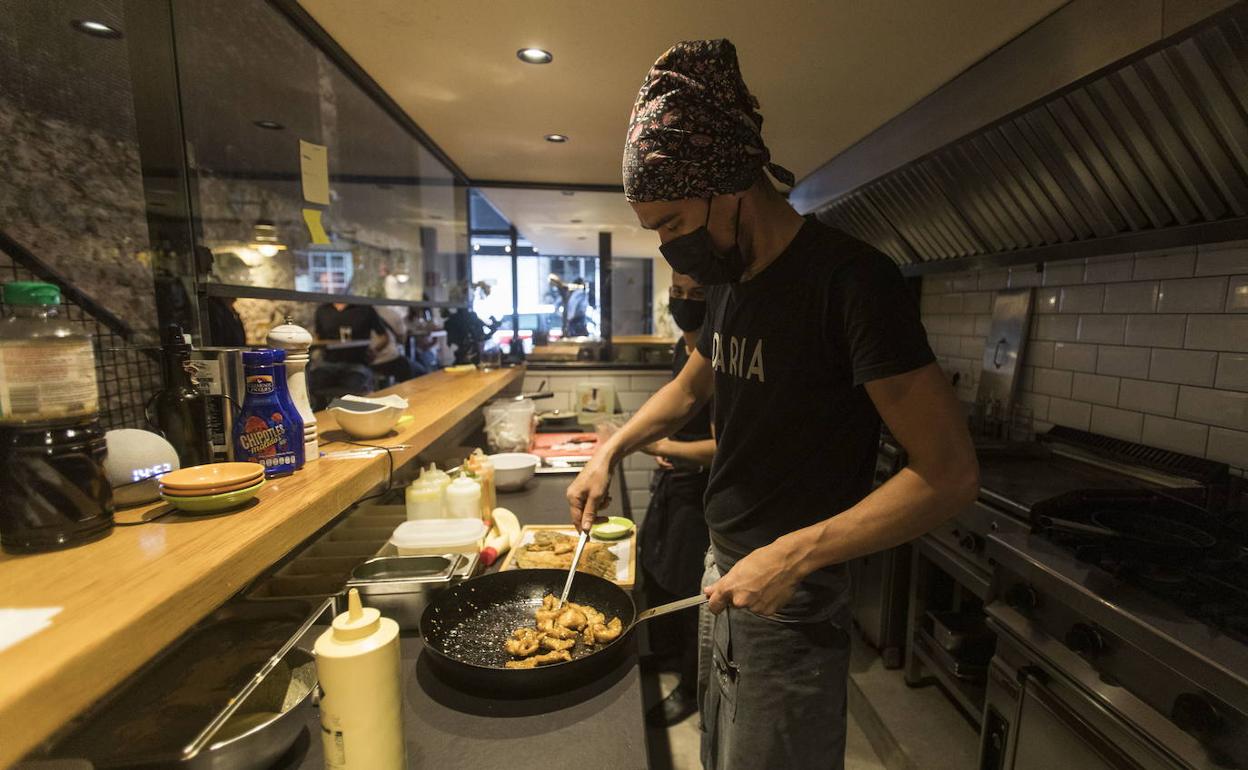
x,y
679,604
1079,528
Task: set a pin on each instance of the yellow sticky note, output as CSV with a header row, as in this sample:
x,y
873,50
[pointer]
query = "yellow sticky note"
x,y
315,229
314,167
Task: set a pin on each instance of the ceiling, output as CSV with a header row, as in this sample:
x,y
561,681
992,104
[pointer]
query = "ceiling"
x,y
545,217
826,72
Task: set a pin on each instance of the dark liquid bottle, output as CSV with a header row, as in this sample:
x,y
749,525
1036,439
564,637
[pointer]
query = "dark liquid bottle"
x,y
53,490
180,411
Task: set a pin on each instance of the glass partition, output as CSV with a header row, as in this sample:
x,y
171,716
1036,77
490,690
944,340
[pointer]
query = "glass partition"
x,y
301,180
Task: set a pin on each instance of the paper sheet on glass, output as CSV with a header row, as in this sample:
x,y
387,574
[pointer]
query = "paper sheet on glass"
x,y
314,168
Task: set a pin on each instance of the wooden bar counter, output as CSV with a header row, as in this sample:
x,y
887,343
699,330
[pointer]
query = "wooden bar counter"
x,y
126,597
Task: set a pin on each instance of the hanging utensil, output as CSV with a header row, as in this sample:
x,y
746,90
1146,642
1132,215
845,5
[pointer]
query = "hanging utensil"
x,y
576,559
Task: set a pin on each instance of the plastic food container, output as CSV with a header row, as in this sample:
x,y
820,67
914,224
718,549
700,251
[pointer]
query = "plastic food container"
x,y
509,425
434,537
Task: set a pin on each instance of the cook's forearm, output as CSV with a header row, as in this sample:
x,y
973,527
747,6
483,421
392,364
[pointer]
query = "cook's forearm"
x,y
698,452
662,414
909,504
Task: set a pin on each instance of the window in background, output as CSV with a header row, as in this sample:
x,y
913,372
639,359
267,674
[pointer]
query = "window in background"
x,y
632,296
328,272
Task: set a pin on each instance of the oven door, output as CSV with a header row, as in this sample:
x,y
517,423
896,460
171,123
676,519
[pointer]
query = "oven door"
x,y
1047,708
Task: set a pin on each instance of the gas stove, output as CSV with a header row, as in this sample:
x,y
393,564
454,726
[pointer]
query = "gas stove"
x,y
1119,652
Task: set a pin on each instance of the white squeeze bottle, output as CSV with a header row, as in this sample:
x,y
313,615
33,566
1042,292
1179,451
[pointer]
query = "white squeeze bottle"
x,y
357,662
463,499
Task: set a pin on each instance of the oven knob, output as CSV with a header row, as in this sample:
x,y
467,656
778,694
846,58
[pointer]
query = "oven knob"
x,y
1022,597
1085,640
1193,713
972,542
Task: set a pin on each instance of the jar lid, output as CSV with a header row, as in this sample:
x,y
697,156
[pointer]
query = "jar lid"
x,y
450,534
31,293
290,336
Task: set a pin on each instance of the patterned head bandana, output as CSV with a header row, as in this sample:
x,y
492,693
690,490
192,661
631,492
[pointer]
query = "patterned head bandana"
x,y
695,130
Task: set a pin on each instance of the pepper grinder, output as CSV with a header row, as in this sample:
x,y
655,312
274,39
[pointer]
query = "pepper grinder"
x,y
296,341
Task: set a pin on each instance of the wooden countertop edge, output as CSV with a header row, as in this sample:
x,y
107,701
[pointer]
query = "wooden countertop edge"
x,y
41,697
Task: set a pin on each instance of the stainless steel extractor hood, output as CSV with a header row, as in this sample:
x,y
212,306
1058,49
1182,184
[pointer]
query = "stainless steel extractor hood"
x,y
1148,152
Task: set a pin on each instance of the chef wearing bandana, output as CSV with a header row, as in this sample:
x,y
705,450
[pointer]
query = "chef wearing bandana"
x,y
810,339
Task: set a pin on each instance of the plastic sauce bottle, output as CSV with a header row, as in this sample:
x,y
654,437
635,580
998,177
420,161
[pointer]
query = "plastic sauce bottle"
x,y
483,470
425,500
463,499
357,663
268,430
52,483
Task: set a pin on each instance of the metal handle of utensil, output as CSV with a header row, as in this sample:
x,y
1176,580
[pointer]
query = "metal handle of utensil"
x,y
191,750
676,606
576,559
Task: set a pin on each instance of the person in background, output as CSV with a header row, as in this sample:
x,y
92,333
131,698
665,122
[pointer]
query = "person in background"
x,y
343,369
388,351
575,300
673,538
811,337
225,327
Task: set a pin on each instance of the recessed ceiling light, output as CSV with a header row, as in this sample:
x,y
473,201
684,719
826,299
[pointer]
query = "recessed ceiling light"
x,y
272,125
507,248
476,247
557,138
534,56
95,28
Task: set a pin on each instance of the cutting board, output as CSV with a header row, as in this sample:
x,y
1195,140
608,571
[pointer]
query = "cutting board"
x,y
625,551
547,445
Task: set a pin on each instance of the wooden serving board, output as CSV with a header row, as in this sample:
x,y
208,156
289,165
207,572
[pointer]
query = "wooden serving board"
x,y
625,549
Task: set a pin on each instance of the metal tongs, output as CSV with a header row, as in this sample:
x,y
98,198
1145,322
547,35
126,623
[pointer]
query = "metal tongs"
x,y
576,559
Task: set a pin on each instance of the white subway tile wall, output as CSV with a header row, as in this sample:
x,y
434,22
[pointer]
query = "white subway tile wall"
x,y
1150,347
632,388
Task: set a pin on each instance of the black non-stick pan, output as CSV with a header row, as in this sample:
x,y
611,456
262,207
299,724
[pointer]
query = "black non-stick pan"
x,y
465,627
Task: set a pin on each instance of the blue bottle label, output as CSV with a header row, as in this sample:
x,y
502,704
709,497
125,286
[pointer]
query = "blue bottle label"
x,y
264,432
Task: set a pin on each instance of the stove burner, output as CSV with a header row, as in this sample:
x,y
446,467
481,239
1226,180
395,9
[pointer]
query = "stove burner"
x,y
1209,585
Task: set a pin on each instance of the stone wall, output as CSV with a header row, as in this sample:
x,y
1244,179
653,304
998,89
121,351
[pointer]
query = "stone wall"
x,y
73,197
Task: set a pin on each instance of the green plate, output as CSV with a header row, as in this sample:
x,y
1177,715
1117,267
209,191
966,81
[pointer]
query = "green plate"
x,y
213,503
614,528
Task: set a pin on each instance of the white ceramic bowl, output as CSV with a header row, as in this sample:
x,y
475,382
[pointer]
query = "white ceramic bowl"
x,y
512,470
373,424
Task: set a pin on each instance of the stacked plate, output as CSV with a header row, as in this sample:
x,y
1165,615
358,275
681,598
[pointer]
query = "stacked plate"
x,y
212,488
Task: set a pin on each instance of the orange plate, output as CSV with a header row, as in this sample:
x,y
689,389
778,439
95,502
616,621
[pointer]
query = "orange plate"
x,y
218,490
198,478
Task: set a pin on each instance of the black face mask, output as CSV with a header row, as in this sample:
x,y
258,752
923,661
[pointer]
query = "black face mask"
x,y
687,313
694,255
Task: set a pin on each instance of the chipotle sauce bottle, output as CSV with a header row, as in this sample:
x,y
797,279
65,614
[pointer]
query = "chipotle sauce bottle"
x,y
269,429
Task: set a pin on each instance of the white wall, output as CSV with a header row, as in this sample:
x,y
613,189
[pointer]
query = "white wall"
x,y
1150,347
632,388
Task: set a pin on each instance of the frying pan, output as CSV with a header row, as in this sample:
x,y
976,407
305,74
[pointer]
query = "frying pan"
x,y
465,626
1146,532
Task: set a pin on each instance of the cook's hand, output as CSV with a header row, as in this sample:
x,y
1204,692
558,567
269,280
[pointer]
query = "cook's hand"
x,y
762,582
664,463
589,493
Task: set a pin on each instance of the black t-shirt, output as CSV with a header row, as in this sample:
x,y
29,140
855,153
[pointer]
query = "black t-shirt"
x,y
791,349
363,319
698,428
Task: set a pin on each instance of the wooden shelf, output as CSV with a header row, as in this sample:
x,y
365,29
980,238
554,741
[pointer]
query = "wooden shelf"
x,y
126,597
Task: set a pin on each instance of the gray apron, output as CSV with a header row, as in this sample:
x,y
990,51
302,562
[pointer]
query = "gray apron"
x,y
771,693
